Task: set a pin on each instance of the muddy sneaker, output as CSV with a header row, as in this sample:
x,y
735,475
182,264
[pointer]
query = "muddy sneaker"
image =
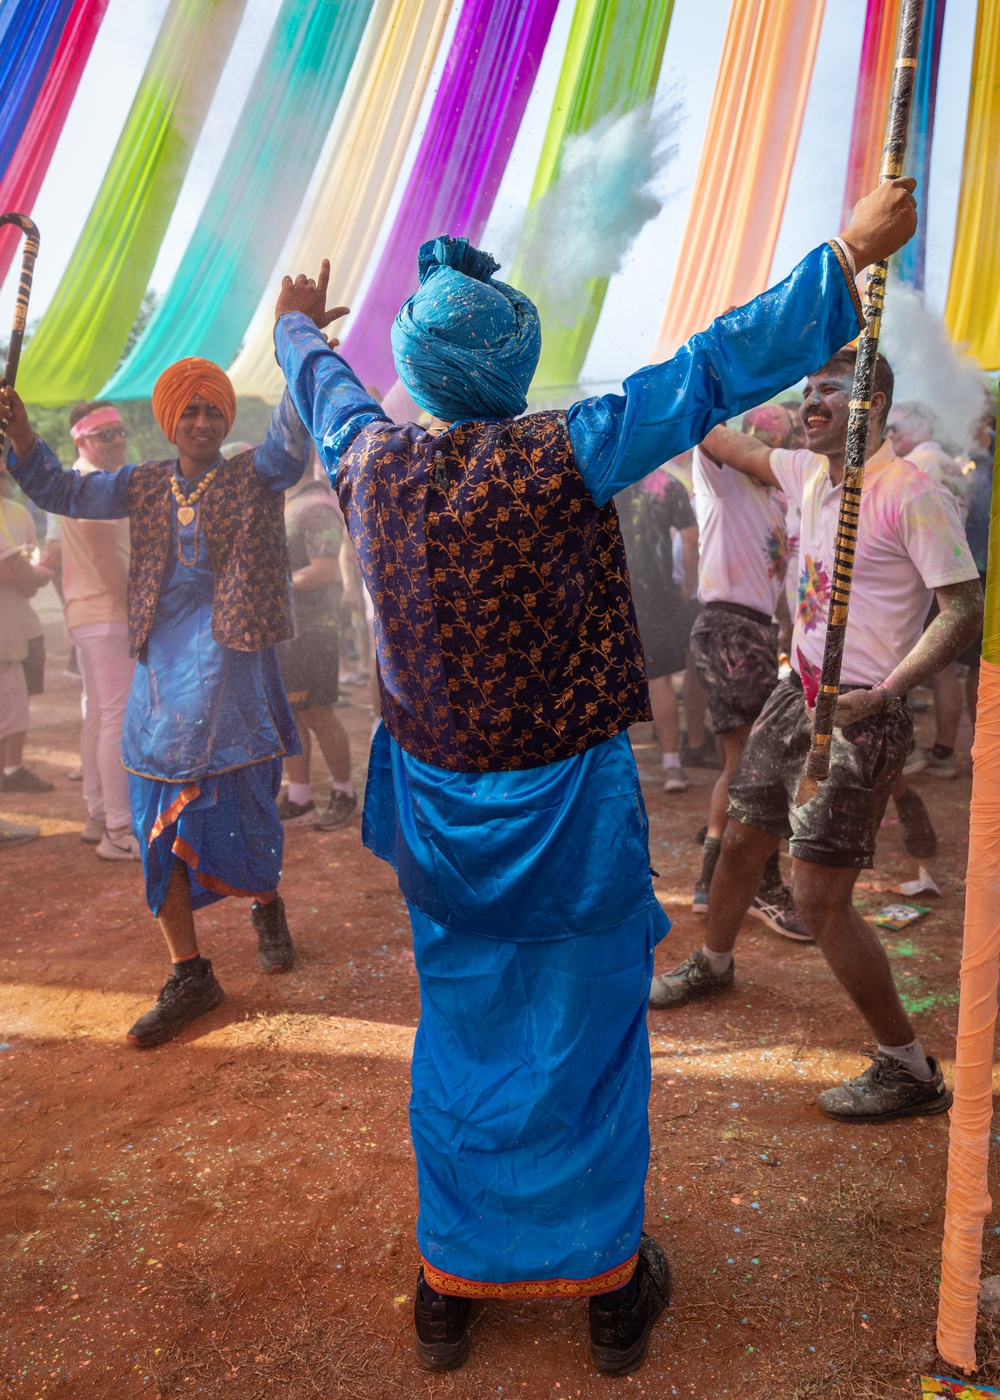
x,y
23,780
182,1000
941,765
341,809
693,978
919,837
619,1336
776,908
297,813
442,1328
274,943
885,1091
119,845
699,900
705,757
13,834
675,780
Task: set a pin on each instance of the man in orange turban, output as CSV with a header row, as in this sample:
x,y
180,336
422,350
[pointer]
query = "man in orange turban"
x,y
207,723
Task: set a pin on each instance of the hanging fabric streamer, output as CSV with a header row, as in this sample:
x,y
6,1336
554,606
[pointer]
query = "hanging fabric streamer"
x,y
256,195
477,110
612,64
26,146
29,37
972,311
86,326
871,101
357,170
746,163
909,261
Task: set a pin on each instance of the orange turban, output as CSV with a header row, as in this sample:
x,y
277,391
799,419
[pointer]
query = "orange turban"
x,y
179,384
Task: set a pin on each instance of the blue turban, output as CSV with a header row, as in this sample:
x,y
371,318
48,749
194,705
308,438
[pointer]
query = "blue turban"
x,y
464,345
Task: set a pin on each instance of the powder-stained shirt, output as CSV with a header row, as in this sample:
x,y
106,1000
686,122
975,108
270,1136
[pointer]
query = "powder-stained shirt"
x,y
910,541
18,619
742,542
314,527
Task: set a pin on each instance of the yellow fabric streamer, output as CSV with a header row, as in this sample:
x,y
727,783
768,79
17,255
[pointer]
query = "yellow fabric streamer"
x,y
358,169
972,311
746,163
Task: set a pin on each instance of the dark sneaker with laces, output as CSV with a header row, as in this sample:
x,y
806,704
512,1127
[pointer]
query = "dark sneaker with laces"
x,y
919,837
297,813
23,780
885,1091
274,942
693,978
182,1000
442,1327
776,908
340,810
619,1336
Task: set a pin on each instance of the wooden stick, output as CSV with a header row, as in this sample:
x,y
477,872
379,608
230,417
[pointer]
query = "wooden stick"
x,y
31,242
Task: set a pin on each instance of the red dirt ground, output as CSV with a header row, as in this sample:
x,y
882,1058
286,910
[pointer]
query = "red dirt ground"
x,y
232,1214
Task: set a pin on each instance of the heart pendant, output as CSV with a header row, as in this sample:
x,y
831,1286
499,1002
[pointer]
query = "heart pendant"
x,y
185,514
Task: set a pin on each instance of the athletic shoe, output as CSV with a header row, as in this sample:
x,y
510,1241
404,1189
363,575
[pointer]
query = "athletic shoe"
x,y
699,901
916,763
705,757
274,943
340,810
297,813
941,766
75,775
885,1091
93,831
776,908
919,838
23,780
619,1336
691,979
11,834
182,1000
442,1328
120,846
675,780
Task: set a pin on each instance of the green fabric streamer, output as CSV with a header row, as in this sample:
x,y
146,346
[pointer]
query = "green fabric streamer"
x,y
256,195
612,65
84,330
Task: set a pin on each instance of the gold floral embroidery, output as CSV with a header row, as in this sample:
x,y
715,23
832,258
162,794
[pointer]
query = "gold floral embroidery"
x,y
531,1288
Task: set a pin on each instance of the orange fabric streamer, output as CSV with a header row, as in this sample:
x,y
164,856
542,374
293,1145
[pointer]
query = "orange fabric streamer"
x,y
181,382
871,101
746,163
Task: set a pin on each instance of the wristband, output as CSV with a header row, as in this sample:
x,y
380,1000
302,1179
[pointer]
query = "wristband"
x,y
885,692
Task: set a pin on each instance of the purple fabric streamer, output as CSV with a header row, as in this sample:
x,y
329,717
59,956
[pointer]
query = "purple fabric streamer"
x,y
487,80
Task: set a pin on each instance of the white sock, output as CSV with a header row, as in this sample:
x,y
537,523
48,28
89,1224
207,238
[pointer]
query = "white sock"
x,y
671,760
912,1056
300,794
718,962
347,787
9,772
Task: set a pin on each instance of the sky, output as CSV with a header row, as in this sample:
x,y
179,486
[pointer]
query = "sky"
x,y
638,293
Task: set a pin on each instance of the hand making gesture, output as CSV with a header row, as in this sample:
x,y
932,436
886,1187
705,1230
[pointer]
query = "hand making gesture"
x,y
309,297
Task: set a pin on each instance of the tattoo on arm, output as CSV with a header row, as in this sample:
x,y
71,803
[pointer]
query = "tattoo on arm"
x,y
953,629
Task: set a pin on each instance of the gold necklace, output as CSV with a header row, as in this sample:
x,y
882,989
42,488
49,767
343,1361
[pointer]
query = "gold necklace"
x,y
186,504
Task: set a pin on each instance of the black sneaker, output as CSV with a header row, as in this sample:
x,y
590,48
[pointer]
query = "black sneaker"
x,y
341,809
619,1336
23,780
705,757
182,1000
919,837
442,1328
775,907
274,943
692,978
885,1091
297,813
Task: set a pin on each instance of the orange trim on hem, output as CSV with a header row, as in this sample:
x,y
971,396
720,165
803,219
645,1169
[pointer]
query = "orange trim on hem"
x,y
211,882
458,1287
187,794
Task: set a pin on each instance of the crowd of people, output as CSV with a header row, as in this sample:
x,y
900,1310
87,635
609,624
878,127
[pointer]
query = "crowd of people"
x,y
538,585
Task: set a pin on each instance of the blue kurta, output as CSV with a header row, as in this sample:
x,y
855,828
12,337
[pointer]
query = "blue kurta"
x,y
533,913
205,727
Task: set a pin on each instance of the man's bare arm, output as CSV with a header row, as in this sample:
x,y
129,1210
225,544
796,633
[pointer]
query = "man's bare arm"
x,y
746,454
689,546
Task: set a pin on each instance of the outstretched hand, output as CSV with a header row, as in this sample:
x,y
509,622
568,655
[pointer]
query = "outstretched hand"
x,y
882,222
309,297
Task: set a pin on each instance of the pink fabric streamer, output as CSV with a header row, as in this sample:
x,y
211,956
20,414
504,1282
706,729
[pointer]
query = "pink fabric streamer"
x,y
21,181
477,111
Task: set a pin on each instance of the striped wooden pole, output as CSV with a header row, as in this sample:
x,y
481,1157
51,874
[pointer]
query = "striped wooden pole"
x,y
31,242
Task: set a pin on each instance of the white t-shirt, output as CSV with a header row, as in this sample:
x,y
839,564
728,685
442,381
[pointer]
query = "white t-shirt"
x,y
743,545
18,620
910,541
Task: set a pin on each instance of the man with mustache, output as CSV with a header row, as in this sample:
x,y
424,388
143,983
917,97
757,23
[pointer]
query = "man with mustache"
x,y
911,546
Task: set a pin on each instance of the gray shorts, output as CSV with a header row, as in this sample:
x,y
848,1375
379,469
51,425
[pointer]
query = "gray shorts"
x,y
735,652
839,826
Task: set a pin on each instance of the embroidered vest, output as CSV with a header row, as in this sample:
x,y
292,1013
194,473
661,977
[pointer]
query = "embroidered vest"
x,y
244,530
504,620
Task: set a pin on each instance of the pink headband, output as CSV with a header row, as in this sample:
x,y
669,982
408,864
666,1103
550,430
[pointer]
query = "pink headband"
x,y
100,418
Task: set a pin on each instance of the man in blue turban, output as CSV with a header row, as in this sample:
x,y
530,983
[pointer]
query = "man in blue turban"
x,y
502,786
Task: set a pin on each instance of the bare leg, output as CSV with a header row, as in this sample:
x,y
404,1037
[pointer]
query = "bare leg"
x,y
823,896
947,707
694,705
297,764
176,916
666,715
13,750
332,738
745,851
732,743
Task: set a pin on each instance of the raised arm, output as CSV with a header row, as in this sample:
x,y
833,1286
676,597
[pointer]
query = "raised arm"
x,y
747,454
38,472
283,456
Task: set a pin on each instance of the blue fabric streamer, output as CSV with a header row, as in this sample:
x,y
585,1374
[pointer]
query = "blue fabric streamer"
x,y
464,345
29,36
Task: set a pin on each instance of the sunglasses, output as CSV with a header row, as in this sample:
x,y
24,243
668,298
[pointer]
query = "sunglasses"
x,y
108,435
